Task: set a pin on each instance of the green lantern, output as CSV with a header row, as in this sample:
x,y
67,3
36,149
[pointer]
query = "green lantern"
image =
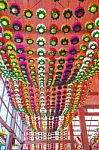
x,y
41,13
53,29
41,28
86,38
92,45
90,53
93,8
65,28
41,41
62,52
95,33
64,41
67,13
53,41
29,27
97,22
89,25
41,51
83,47
55,14
3,5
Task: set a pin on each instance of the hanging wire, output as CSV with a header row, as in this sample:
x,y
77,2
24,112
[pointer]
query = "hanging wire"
x,y
61,4
36,3
28,1
68,3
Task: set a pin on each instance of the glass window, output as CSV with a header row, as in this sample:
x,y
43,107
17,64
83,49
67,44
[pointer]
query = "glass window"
x,y
88,122
88,117
18,119
17,131
1,87
15,128
10,107
3,112
6,98
94,122
9,119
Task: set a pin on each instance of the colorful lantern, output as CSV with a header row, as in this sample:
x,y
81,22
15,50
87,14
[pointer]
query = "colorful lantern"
x,y
83,47
70,59
76,27
30,40
7,35
67,13
53,41
89,53
41,13
86,60
97,22
28,27
93,8
92,45
55,14
74,40
3,5
53,29
3,50
5,21
72,50
41,28
64,41
79,12
17,25
81,0
56,0
10,45
18,38
30,50
20,49
65,28
2,41
1,29
95,33
41,52
62,52
28,12
89,25
52,52
41,41
86,38
15,9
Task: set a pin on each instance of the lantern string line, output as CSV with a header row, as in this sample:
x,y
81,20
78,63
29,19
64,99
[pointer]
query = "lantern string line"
x,y
36,3
61,4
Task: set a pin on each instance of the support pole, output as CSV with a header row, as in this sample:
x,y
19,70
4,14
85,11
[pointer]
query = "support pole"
x,y
72,137
9,141
84,135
